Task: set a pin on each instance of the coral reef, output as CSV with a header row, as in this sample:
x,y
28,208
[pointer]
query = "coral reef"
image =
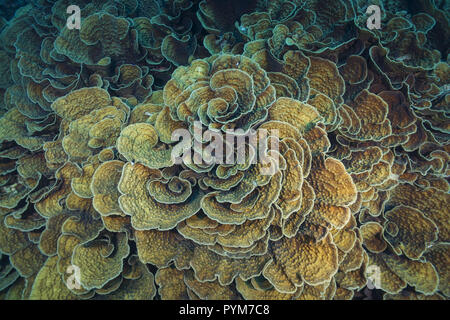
x,y
348,190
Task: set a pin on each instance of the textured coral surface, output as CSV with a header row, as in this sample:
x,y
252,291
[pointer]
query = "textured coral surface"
x,y
94,205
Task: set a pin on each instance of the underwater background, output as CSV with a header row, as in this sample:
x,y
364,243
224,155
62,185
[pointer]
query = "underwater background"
x,y
92,205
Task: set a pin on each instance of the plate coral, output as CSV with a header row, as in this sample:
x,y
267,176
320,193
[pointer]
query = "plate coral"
x,y
94,205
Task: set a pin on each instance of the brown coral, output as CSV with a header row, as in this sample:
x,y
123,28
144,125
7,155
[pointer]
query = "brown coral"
x,y
348,191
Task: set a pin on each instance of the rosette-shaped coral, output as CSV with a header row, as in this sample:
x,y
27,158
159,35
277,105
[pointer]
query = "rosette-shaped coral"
x,y
125,49
149,35
410,32
179,149
225,93
314,26
224,218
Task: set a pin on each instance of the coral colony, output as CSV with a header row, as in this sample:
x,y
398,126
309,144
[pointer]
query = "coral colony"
x,y
187,149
